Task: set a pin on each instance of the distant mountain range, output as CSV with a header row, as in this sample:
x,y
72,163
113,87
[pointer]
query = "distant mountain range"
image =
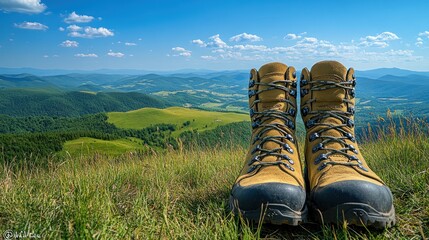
x,y
51,72
374,73
377,90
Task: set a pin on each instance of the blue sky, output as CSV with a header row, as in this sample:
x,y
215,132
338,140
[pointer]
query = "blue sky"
x,y
170,35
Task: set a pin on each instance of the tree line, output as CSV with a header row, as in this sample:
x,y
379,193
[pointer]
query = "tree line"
x,y
38,137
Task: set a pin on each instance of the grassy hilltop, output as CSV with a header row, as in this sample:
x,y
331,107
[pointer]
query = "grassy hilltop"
x,y
184,118
182,194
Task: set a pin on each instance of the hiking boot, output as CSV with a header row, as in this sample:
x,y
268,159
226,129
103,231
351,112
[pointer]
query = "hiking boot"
x,y
342,186
270,187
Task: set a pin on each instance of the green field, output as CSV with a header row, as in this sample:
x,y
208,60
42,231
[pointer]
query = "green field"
x,y
183,195
88,146
198,119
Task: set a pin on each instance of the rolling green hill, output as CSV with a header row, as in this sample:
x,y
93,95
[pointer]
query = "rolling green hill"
x,y
186,119
89,146
46,102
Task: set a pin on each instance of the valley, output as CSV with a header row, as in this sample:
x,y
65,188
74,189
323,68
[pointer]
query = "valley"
x,y
173,142
190,103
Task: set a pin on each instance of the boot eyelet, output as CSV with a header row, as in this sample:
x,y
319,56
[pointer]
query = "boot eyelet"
x,y
320,158
251,112
303,82
317,147
252,93
304,92
353,158
292,93
351,110
256,158
255,124
362,167
349,136
294,75
352,93
251,83
313,136
292,112
304,111
284,156
322,166
310,123
257,148
287,148
293,85
290,125
350,123
290,138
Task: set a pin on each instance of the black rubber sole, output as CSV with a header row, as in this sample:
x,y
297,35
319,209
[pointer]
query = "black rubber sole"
x,y
272,213
358,214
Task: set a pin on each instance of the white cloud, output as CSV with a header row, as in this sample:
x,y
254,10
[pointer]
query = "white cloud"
x,y
384,36
61,29
75,18
90,32
185,54
115,54
89,55
292,36
424,34
22,6
309,40
419,41
69,44
45,56
74,28
217,42
31,26
208,57
307,48
130,44
381,40
245,37
250,47
199,42
180,51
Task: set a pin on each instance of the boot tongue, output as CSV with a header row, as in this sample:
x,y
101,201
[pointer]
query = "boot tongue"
x,y
271,99
330,99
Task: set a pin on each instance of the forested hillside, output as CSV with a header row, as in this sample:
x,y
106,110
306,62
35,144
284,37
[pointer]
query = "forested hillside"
x,y
48,102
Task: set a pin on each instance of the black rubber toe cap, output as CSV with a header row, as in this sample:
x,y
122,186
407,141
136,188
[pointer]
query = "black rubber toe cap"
x,y
353,191
253,196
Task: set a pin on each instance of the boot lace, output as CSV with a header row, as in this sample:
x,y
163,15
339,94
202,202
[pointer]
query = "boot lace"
x,y
345,128
260,121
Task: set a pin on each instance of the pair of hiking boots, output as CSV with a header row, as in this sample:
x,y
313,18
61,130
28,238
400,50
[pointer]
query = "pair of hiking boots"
x,y
337,185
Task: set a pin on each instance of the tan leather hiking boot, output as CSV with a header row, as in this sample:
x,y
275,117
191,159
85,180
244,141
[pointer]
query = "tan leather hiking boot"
x,y
271,184
342,186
